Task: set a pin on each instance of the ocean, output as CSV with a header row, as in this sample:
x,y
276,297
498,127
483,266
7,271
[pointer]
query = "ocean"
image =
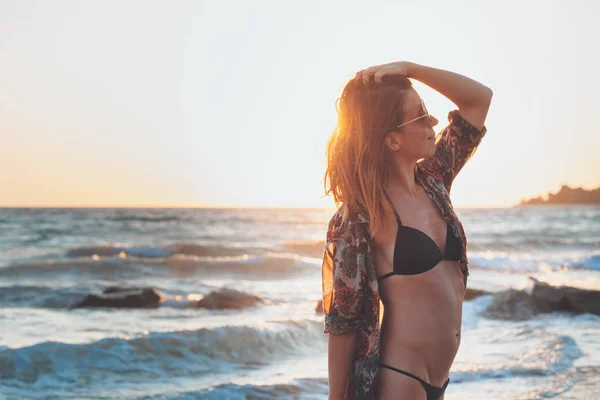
x,y
273,349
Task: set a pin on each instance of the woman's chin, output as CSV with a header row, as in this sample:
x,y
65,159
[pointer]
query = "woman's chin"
x,y
431,151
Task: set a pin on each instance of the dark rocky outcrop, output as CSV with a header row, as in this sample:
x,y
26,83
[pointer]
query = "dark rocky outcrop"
x,y
518,305
116,297
567,195
514,305
566,298
227,299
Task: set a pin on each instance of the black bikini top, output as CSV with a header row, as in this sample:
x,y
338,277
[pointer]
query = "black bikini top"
x,y
415,252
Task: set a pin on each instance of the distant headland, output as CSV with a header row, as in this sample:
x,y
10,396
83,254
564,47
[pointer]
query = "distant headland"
x,y
567,195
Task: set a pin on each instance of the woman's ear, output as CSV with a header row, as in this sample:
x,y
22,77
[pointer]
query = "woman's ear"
x,y
393,141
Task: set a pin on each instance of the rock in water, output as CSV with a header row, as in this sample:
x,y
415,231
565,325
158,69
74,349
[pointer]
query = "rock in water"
x,y
519,305
228,299
115,297
515,305
566,298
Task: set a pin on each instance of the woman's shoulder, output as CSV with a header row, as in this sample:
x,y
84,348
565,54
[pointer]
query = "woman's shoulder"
x,y
345,226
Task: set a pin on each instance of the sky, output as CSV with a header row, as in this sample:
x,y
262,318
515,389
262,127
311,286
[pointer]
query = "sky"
x,y
230,103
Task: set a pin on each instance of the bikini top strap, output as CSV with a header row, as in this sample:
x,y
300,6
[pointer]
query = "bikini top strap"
x,y
393,208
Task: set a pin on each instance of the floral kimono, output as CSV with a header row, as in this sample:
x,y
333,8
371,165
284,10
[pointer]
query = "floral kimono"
x,y
350,291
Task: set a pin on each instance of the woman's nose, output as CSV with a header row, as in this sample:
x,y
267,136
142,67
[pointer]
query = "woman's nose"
x,y
434,121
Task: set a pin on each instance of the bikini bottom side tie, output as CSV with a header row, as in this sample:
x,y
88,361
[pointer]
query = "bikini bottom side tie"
x,y
433,392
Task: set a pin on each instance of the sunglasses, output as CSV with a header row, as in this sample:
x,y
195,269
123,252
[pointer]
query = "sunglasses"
x,y
413,120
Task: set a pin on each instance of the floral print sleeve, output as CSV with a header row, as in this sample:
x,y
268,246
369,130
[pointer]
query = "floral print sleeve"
x,y
455,145
343,279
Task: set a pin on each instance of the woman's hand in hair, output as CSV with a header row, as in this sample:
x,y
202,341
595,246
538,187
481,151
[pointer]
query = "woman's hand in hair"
x,y
377,72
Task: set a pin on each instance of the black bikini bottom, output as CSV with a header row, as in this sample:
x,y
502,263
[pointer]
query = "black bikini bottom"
x,y
433,392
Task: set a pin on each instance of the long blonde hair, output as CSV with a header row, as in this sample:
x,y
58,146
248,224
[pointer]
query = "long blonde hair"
x,y
357,160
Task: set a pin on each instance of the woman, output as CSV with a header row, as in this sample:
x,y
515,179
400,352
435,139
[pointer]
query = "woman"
x,y
396,238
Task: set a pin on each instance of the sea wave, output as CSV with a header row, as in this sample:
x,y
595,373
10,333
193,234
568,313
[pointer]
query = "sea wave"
x,y
266,266
557,355
310,248
158,354
160,252
474,309
41,296
146,218
529,262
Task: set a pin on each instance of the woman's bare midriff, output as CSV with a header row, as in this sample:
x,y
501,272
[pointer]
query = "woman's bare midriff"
x,y
421,325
